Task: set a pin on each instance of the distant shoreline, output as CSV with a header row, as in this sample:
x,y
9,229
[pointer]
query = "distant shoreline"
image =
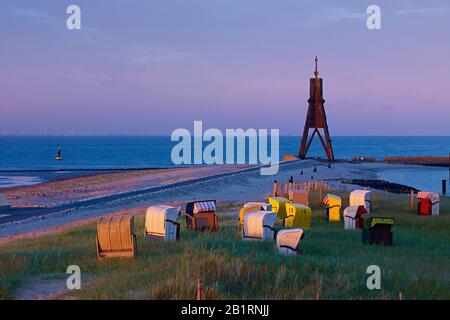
x,y
93,169
13,179
83,169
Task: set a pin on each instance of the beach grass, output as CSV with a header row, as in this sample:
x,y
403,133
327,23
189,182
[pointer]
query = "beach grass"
x,y
332,266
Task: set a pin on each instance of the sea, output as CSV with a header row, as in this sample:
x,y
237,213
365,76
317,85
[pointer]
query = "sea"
x,y
26,160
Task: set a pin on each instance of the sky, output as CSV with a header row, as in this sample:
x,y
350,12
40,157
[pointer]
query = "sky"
x,y
149,67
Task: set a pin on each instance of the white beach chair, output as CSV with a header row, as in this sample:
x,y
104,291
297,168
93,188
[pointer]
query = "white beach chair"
x,y
161,223
288,241
361,198
352,217
349,217
435,204
264,206
259,225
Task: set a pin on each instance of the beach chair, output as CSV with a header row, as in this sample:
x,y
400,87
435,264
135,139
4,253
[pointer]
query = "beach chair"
x,y
279,206
115,237
428,203
288,241
353,217
378,230
161,223
332,211
299,197
253,206
4,204
298,216
361,198
201,215
264,205
259,225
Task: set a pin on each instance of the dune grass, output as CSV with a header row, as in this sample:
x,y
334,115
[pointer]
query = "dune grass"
x,y
333,264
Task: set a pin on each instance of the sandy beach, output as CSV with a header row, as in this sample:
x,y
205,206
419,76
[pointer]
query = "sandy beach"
x,y
130,192
76,189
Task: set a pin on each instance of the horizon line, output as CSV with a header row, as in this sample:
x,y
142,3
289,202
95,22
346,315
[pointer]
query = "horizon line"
x,y
167,135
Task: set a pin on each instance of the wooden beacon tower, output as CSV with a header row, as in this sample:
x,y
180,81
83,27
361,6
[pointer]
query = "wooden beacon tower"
x,y
316,119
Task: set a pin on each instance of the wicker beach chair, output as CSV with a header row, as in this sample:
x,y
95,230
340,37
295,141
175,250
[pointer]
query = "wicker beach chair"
x,y
428,204
279,206
353,217
378,230
332,211
161,223
361,198
115,237
298,216
288,241
264,205
259,225
201,215
253,206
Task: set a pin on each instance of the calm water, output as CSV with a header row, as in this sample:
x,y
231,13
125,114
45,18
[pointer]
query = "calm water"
x,y
38,153
137,152
425,179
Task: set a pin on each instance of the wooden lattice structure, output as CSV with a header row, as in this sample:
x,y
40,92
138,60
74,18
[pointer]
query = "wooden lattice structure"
x,y
316,119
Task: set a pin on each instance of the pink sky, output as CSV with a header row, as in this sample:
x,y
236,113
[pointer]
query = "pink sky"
x,y
151,67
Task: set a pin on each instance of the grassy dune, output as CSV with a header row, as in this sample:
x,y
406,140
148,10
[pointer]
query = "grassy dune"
x,y
332,266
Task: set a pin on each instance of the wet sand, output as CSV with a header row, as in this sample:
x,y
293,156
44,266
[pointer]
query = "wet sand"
x,y
72,190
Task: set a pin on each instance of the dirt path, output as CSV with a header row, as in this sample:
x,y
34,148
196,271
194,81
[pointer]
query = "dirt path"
x,y
41,289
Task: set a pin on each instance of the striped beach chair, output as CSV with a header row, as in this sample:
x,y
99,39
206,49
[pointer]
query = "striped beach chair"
x,y
201,215
428,203
333,206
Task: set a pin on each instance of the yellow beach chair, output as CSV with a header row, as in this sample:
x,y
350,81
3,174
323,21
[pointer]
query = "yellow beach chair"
x,y
298,216
279,206
333,208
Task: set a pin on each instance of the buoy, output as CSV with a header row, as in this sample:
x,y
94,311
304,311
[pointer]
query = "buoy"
x,y
58,157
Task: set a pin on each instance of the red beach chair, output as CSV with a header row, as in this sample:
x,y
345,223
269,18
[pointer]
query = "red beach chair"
x,y
428,203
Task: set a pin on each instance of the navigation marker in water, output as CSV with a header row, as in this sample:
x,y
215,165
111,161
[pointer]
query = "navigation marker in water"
x,y
58,157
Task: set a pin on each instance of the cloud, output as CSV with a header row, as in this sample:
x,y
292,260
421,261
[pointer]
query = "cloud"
x,y
335,14
435,10
29,13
